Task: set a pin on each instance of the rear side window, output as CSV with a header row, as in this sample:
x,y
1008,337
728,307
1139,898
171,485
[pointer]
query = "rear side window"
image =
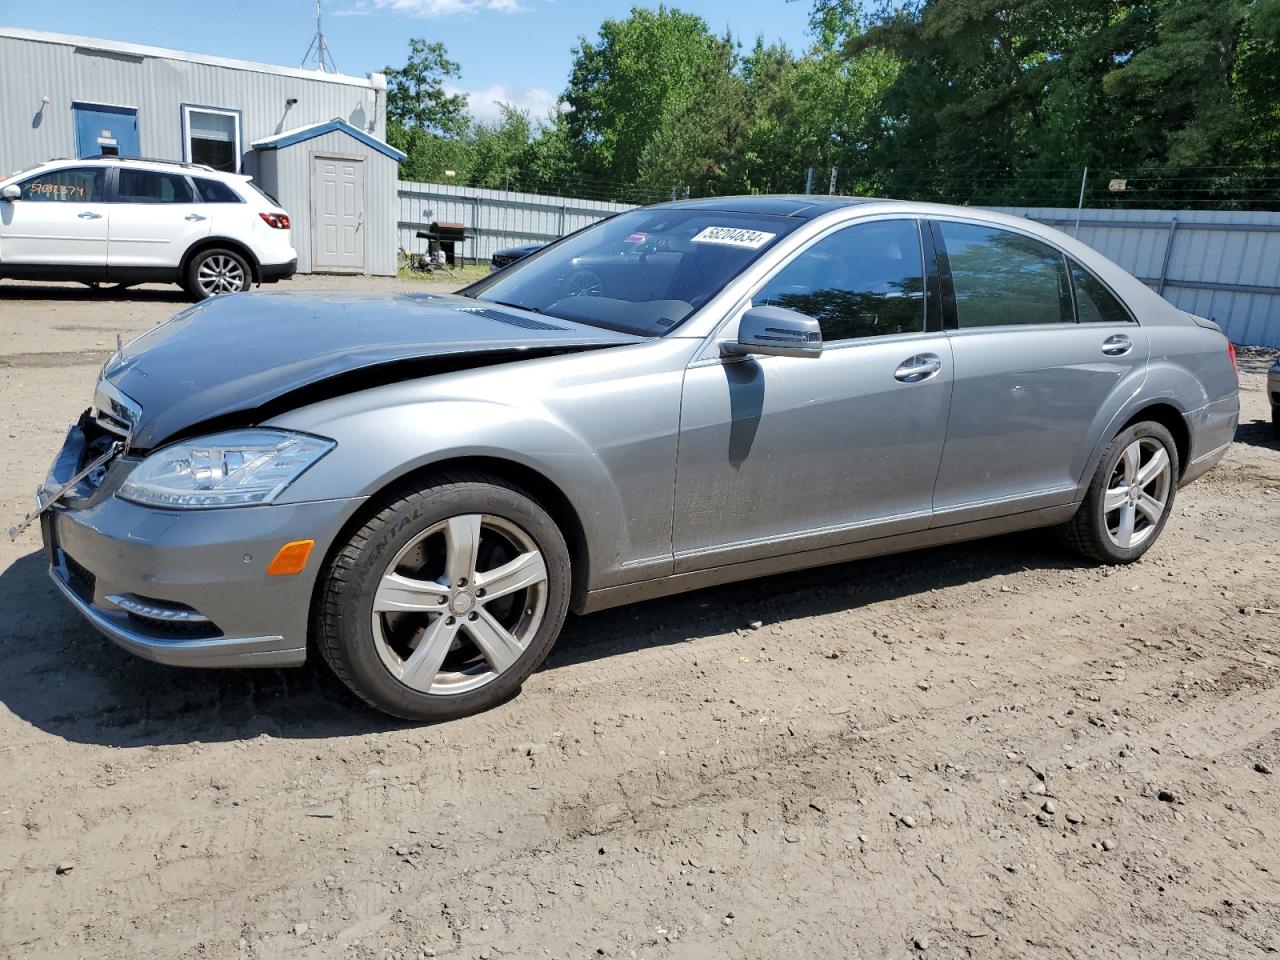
x,y
215,191
149,186
1094,302
866,280
73,185
1005,279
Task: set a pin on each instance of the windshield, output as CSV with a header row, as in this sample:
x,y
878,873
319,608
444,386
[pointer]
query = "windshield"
x,y
642,272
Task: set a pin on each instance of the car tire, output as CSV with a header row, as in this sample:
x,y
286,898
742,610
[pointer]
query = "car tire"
x,y
407,622
216,272
1117,523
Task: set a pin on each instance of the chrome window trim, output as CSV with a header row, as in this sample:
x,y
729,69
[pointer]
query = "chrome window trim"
x,y
735,298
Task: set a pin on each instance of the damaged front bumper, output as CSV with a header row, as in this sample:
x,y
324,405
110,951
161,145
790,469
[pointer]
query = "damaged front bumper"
x,y
185,587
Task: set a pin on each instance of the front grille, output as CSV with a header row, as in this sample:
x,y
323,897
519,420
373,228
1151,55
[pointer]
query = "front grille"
x,y
80,579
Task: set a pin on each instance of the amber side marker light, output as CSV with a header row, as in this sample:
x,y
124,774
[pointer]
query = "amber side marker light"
x,y
290,558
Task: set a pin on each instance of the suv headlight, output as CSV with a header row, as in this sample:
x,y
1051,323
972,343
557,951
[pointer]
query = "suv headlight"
x,y
230,469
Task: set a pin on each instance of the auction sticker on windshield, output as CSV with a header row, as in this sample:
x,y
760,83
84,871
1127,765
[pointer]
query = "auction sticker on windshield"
x,y
734,237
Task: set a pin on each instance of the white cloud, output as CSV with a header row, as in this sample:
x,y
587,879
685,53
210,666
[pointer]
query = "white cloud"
x,y
430,8
484,104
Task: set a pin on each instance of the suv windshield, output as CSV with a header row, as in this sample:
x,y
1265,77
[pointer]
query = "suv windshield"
x,y
641,272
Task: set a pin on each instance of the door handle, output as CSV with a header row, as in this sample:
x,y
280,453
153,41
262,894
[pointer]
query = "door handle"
x,y
193,217
920,367
1117,346
89,215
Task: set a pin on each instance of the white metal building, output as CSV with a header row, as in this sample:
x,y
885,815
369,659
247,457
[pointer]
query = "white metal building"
x,y
315,140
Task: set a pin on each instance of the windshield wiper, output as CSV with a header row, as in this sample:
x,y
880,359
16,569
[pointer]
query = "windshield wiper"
x,y
516,306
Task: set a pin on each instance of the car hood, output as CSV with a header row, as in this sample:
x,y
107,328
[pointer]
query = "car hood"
x,y
243,352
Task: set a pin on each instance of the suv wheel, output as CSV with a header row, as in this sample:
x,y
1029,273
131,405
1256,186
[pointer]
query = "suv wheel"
x,y
1130,497
445,601
214,272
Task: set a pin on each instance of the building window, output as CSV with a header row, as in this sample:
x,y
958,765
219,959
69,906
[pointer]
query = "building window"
x,y
212,137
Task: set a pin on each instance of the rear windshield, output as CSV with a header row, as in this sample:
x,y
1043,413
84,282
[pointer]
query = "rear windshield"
x,y
642,272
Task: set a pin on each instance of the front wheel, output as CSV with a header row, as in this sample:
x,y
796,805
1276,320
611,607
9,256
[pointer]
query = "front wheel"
x,y
1130,496
445,601
212,273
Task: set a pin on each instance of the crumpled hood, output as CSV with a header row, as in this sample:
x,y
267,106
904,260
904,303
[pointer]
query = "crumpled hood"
x,y
239,353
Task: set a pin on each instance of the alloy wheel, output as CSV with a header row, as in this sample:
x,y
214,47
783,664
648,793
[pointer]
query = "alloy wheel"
x,y
460,604
219,274
1137,493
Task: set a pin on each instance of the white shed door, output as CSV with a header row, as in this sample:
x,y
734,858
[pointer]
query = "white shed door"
x,y
337,228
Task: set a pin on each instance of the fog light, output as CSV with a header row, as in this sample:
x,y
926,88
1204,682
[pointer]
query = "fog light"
x,y
290,558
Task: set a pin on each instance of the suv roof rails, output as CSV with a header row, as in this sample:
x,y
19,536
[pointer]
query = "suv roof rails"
x,y
175,163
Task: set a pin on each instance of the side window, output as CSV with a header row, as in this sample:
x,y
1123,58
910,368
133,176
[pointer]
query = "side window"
x,y
215,191
866,280
1094,302
74,185
1004,279
149,186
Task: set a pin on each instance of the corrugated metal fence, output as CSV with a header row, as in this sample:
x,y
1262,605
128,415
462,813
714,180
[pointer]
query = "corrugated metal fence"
x,y
1224,265
493,218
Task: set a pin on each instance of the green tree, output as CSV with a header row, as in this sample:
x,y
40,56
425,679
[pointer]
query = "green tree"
x,y
500,151
416,97
628,82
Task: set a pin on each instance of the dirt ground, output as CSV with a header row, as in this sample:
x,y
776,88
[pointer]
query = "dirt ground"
x,y
987,750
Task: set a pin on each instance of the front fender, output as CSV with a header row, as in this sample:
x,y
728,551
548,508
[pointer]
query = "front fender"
x,y
600,426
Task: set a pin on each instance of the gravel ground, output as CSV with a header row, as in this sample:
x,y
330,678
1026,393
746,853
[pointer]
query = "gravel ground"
x,y
987,750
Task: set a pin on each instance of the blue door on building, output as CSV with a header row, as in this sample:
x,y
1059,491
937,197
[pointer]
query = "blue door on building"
x,y
102,129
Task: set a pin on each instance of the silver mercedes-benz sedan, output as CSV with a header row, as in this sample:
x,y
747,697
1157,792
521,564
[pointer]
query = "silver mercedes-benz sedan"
x,y
419,487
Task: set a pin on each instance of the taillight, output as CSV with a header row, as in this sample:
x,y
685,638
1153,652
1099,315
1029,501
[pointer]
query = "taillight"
x,y
1231,352
278,220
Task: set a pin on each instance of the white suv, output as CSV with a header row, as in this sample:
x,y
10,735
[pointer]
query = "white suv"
x,y
126,221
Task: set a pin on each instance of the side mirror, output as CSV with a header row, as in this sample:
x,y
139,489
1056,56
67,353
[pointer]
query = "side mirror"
x,y
12,192
776,332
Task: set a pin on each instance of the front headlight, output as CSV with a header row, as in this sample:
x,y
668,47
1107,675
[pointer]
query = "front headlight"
x,y
224,470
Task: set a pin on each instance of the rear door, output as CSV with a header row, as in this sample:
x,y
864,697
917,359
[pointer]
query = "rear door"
x,y
61,218
155,218
1030,378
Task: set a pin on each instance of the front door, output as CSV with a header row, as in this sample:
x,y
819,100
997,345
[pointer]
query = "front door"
x,y
783,454
1030,378
60,219
337,222
101,129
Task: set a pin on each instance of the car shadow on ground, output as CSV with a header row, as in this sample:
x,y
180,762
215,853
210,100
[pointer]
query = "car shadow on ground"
x,y
107,293
1259,433
63,678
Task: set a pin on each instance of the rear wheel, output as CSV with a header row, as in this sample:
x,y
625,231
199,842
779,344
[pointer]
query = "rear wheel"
x,y
1129,499
446,600
214,272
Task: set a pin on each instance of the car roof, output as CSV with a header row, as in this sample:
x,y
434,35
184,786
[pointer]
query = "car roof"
x,y
801,206
144,163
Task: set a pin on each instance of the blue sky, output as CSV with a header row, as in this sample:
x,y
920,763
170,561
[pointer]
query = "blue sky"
x,y
512,50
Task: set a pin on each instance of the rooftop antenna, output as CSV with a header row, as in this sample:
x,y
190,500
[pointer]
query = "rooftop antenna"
x,y
318,55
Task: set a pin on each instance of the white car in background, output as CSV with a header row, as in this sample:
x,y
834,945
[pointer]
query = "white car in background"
x,y
127,221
